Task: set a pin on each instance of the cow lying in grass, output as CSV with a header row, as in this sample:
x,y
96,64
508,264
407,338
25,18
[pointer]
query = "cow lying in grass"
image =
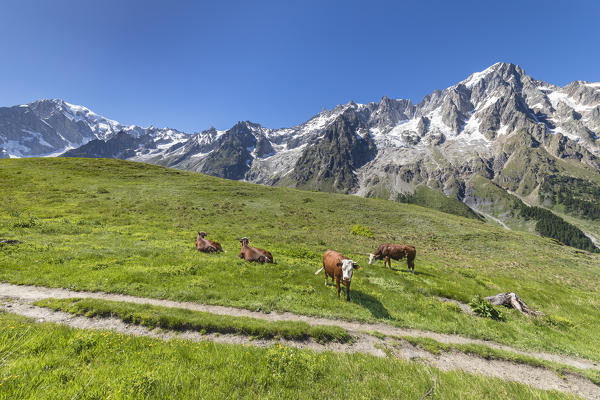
x,y
339,267
250,253
390,251
205,245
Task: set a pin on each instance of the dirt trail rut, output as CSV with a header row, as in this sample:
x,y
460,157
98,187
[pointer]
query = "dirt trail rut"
x,y
19,299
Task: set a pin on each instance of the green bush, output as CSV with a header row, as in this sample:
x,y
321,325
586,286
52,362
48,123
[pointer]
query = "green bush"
x,y
361,230
485,309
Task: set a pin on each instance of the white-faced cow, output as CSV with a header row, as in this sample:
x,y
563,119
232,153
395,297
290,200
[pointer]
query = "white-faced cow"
x,y
339,267
390,251
205,245
250,253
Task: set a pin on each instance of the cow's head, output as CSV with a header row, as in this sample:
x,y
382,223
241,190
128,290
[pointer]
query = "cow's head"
x,y
371,258
244,241
201,234
348,266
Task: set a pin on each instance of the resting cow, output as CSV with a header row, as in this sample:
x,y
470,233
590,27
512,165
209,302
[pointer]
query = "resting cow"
x,y
205,245
389,251
250,253
339,267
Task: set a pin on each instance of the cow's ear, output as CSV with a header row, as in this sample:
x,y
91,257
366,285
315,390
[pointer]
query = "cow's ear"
x,y
339,264
356,266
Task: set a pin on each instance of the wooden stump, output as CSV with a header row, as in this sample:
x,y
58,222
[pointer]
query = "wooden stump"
x,y
512,300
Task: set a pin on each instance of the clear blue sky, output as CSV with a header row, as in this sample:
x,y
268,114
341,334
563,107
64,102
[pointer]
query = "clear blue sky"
x,y
190,65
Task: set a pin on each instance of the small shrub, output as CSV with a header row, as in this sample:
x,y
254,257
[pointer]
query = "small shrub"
x,y
361,230
29,222
485,309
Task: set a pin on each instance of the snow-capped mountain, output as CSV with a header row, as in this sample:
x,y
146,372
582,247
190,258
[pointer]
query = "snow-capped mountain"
x,y
496,135
51,127
395,145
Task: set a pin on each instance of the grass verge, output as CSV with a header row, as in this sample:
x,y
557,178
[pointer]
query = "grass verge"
x,y
179,319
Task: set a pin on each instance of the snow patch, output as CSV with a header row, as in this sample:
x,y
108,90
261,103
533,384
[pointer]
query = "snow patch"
x,y
473,79
557,97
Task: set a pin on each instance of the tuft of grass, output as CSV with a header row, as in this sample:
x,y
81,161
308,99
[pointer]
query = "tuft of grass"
x,y
179,319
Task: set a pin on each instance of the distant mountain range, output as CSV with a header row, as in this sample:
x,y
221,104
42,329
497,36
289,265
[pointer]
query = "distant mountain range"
x,y
497,142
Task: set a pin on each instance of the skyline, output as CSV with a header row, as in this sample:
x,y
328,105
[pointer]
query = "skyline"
x,y
192,66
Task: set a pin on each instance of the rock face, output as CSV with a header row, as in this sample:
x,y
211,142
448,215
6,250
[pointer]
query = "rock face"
x,y
121,145
498,130
232,156
330,164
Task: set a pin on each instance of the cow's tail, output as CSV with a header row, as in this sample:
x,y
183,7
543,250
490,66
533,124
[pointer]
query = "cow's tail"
x,y
320,269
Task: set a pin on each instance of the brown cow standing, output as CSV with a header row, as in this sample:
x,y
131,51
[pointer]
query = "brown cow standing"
x,y
250,253
205,245
339,267
389,251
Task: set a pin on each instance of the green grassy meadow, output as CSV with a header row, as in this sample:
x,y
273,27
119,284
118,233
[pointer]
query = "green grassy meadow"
x,y
123,227
45,361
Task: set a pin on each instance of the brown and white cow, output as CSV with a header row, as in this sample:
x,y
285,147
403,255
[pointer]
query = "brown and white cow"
x,y
339,267
205,245
250,253
389,251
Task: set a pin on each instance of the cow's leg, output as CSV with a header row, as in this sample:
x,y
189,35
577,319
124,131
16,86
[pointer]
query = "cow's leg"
x,y
387,262
348,292
337,282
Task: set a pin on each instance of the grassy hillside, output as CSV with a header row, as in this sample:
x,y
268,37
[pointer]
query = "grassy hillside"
x,y
427,197
127,227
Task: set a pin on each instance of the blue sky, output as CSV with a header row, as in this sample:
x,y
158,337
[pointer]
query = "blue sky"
x,y
192,65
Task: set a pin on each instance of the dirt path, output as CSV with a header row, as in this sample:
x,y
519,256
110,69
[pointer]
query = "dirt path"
x,y
34,293
18,300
